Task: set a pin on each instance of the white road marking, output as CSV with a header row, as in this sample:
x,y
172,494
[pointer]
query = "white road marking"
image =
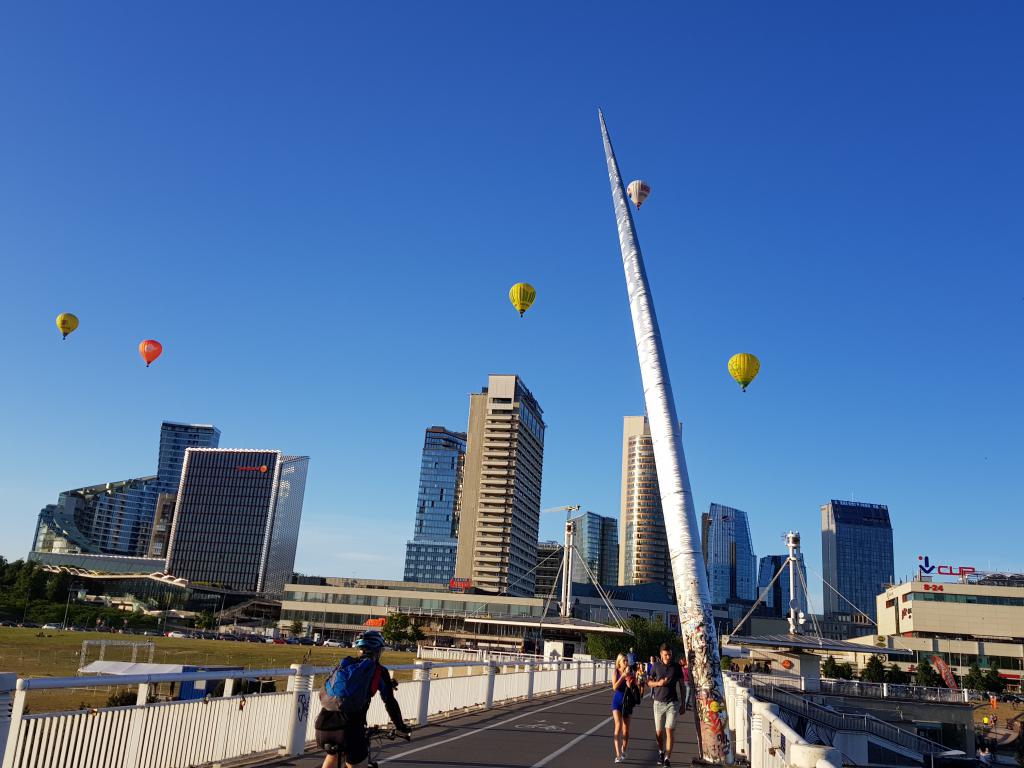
x,y
492,725
545,760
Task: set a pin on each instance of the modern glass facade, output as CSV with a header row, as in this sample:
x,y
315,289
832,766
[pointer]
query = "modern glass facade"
x,y
430,555
729,555
597,544
643,548
549,570
856,555
777,600
117,518
236,521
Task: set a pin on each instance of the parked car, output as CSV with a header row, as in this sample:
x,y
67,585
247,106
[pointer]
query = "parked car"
x,y
335,644
53,625
278,641
177,634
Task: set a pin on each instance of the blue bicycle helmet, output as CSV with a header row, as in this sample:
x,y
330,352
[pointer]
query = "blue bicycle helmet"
x,y
370,641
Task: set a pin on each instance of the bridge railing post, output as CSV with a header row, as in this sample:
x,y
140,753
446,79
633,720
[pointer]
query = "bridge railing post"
x,y
492,672
531,669
579,675
558,677
300,686
422,675
12,707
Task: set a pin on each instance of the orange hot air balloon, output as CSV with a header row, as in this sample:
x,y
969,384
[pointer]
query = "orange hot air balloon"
x,y
150,350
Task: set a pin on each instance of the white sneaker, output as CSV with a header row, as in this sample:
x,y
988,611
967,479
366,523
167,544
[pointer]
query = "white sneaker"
x,y
619,758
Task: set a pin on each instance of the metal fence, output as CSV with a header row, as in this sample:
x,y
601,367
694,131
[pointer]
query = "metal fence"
x,y
178,734
894,691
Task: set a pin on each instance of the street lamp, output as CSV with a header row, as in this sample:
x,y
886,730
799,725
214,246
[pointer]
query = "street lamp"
x,y
67,608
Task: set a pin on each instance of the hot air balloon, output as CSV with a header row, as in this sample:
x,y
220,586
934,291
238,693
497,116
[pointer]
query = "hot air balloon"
x,y
67,323
150,350
744,367
638,191
522,296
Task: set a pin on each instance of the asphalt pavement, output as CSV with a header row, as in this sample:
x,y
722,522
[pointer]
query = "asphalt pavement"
x,y
566,731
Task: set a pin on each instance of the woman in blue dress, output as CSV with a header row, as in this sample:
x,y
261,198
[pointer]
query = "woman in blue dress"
x,y
624,694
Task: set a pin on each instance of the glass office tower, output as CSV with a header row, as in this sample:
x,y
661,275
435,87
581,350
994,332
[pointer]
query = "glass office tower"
x,y
856,557
777,599
729,555
597,544
430,555
236,520
117,518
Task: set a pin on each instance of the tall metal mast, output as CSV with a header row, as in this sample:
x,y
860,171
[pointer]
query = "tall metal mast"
x,y
688,572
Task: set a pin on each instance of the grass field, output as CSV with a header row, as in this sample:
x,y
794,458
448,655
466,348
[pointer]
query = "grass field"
x,y
38,653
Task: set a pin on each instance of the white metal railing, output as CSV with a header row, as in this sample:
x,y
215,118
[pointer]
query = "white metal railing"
x,y
765,739
436,653
176,734
894,691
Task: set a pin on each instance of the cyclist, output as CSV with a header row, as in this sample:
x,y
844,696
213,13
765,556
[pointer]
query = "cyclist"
x,y
352,740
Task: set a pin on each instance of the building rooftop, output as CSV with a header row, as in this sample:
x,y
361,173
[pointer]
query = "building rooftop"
x,y
789,642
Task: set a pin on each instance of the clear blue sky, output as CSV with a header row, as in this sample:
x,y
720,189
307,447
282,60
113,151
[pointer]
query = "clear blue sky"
x,y
319,208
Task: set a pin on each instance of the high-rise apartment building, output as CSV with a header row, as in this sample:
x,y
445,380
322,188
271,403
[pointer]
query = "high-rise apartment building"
x,y
643,548
776,601
500,516
117,518
856,556
728,555
430,555
597,545
549,570
236,519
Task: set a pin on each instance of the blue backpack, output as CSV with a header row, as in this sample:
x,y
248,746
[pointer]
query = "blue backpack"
x,y
347,692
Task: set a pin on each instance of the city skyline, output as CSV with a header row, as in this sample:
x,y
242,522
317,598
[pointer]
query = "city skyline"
x,y
773,178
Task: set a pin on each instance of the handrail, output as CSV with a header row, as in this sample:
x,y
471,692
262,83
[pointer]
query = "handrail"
x,y
844,721
88,681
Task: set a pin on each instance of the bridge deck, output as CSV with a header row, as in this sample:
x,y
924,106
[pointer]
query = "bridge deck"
x,y
564,731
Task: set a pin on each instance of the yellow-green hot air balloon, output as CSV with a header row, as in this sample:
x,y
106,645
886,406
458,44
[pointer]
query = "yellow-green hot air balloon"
x,y
744,367
522,296
67,323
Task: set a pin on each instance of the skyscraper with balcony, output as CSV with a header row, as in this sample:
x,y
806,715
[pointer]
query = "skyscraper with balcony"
x,y
117,518
500,516
430,555
856,557
643,548
776,601
597,545
236,519
728,555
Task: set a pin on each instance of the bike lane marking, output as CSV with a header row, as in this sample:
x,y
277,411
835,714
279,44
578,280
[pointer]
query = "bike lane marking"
x,y
565,748
475,731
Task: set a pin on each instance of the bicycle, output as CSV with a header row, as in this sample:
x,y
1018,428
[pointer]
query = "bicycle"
x,y
377,734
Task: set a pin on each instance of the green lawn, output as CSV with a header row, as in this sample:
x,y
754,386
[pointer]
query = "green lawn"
x,y
56,654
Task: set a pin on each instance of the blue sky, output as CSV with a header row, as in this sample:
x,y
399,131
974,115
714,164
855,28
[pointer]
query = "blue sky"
x,y
318,209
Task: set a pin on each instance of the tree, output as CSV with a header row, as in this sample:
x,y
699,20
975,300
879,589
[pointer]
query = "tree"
x,y
297,628
57,587
926,676
874,671
974,679
829,668
897,676
647,637
206,620
845,671
396,628
993,682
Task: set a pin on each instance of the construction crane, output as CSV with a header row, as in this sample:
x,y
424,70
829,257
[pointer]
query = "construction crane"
x,y
568,510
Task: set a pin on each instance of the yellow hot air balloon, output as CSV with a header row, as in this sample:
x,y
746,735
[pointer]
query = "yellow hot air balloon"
x,y
67,323
522,296
638,191
744,367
